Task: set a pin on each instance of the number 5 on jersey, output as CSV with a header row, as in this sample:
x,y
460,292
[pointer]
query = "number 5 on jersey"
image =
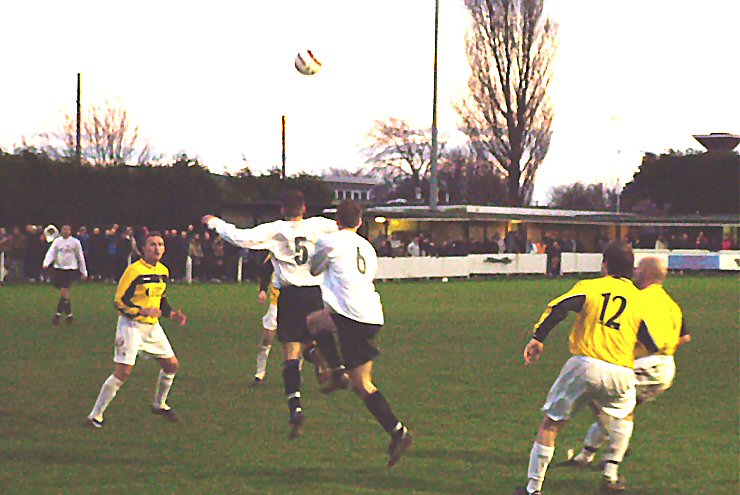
x,y
301,256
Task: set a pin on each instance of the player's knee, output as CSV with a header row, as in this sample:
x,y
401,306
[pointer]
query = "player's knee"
x,y
122,372
171,365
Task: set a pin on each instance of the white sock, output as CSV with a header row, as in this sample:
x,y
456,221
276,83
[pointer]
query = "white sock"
x,y
262,361
539,459
594,439
620,432
164,383
107,392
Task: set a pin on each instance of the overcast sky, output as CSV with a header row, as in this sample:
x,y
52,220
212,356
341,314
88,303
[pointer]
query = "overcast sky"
x,y
213,78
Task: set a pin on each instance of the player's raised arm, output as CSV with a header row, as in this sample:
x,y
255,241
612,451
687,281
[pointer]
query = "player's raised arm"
x,y
259,237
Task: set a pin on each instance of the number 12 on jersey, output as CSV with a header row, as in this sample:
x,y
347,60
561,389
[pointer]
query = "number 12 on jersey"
x,y
612,322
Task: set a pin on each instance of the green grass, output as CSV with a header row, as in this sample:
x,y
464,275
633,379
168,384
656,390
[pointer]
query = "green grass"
x,y
451,367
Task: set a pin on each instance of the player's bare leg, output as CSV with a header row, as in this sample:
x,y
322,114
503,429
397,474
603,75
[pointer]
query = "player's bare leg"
x,y
292,384
323,329
264,351
164,383
109,390
362,385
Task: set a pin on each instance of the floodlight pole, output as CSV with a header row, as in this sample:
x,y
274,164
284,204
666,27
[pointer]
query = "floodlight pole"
x,y
433,189
78,149
282,173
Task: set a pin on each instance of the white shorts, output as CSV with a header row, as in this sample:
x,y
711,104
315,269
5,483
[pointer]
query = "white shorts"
x,y
133,338
654,375
584,379
269,321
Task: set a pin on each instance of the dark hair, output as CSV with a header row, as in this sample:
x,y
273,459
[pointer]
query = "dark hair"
x,y
619,259
152,233
349,214
292,202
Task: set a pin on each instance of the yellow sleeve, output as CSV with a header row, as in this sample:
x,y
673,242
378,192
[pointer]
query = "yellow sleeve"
x,y
124,293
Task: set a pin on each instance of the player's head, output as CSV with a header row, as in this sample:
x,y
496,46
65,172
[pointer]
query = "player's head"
x,y
293,204
619,259
650,270
349,214
153,247
66,231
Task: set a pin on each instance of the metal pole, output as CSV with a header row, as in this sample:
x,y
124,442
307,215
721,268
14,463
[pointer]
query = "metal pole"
x,y
433,190
78,150
282,176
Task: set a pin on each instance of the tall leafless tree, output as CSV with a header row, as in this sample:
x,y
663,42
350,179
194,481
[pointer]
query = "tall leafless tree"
x,y
398,150
108,138
508,115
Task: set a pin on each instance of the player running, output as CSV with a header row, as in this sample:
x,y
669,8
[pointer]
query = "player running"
x,y
354,312
141,301
292,242
610,321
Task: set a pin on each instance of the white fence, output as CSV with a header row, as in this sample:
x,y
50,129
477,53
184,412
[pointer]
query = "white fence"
x,y
512,264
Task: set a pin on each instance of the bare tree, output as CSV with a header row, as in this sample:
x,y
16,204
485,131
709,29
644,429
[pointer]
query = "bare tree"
x,y
108,138
508,115
398,150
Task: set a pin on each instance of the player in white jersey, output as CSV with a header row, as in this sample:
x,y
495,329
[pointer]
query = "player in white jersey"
x,y
291,242
353,311
68,262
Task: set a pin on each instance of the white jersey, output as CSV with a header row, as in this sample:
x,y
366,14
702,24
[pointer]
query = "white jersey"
x,y
66,254
349,264
291,243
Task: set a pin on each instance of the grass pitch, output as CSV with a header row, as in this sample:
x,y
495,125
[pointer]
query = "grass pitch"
x,y
451,367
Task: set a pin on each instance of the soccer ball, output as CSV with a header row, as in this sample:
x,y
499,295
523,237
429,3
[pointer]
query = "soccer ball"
x,y
306,63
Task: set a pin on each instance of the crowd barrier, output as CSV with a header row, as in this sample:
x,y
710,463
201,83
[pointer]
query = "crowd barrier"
x,y
513,264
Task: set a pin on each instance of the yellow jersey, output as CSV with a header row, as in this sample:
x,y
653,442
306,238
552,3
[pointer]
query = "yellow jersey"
x,y
664,319
143,286
609,316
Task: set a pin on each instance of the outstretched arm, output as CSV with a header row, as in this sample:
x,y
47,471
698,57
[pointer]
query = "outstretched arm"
x,y
259,237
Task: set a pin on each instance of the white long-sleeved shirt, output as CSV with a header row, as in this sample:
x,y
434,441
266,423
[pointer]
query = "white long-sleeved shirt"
x,y
291,243
349,264
66,254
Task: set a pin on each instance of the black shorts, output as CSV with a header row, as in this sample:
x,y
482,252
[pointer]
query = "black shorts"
x,y
62,279
294,304
356,340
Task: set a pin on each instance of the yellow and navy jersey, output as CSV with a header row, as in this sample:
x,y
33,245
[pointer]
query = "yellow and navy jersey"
x,y
267,279
609,322
143,286
664,319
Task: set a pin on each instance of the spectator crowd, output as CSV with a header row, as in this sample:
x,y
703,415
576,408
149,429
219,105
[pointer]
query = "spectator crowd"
x,y
108,250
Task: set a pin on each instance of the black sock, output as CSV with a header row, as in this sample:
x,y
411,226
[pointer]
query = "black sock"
x,y
328,347
381,410
61,306
292,383
68,307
